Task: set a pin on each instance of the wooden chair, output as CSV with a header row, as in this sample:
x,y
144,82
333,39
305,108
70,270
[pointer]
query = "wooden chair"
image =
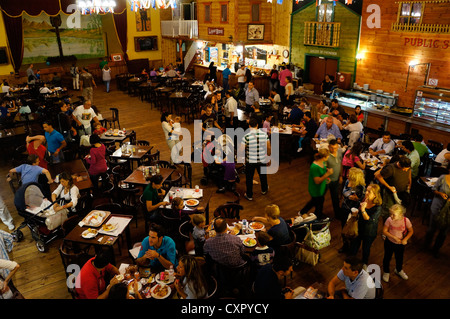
x,y
212,287
129,201
114,208
187,175
229,210
175,181
435,146
289,249
165,164
114,118
151,159
142,143
69,224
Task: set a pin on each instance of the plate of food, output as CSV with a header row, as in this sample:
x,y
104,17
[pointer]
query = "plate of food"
x,y
167,279
249,242
256,226
95,218
109,227
235,230
160,291
131,287
89,233
192,202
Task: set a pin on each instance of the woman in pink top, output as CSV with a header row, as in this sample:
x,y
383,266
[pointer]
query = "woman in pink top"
x,y
96,159
351,159
397,229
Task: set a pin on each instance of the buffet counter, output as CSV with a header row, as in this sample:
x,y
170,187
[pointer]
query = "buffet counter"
x,y
261,82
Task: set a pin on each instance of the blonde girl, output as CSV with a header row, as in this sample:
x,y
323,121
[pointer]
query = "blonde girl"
x,y
369,215
397,229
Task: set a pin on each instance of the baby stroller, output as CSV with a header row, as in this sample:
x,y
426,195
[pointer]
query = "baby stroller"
x,y
214,171
43,222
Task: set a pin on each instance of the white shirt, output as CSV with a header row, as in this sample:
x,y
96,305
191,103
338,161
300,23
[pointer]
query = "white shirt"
x,y
240,74
71,196
84,116
10,265
379,145
440,158
230,106
44,90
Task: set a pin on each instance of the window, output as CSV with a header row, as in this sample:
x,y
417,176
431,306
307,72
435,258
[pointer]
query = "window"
x,y
256,10
411,13
325,13
224,13
208,12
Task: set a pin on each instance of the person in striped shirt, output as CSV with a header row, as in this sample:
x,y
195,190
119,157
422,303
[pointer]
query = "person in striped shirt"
x,y
257,147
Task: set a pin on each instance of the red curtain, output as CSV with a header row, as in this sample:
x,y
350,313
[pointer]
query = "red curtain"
x,y
12,11
13,27
120,23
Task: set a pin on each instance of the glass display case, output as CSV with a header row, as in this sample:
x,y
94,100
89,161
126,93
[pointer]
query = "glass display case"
x,y
365,98
432,104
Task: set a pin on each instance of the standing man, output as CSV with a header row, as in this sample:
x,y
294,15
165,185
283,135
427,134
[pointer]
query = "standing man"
x,y
240,74
251,96
230,111
225,77
335,162
55,142
285,72
87,83
396,179
256,144
31,78
83,115
413,155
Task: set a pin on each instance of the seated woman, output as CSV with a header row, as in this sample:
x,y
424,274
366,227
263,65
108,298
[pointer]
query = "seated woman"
x,y
66,194
152,197
96,159
190,283
275,225
355,128
352,158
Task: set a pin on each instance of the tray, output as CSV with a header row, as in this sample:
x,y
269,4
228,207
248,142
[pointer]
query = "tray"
x,y
95,218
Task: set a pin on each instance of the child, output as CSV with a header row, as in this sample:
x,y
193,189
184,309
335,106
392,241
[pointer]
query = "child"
x,y
177,206
99,129
199,233
397,229
266,124
262,254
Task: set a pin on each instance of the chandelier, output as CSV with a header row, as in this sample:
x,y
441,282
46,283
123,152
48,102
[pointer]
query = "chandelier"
x,y
96,6
147,4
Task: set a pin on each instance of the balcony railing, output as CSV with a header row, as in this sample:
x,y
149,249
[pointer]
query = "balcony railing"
x,y
422,28
180,28
325,34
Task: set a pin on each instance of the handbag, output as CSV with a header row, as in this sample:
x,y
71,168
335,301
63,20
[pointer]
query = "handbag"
x,y
307,255
350,229
318,239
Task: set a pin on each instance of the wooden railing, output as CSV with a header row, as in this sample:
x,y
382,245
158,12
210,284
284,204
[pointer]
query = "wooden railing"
x,y
422,28
326,34
180,28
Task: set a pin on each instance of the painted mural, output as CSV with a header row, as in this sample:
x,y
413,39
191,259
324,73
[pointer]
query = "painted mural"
x,y
40,39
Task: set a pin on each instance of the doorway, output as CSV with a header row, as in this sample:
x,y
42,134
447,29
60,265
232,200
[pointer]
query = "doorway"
x,y
318,67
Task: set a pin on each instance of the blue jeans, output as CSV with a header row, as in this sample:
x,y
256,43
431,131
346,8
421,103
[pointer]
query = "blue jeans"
x,y
107,85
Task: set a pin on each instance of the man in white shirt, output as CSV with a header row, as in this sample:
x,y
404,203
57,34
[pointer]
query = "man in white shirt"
x,y
240,74
230,111
383,145
45,90
83,115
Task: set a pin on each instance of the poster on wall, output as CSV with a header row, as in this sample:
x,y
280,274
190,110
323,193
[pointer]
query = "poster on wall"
x,y
40,40
143,22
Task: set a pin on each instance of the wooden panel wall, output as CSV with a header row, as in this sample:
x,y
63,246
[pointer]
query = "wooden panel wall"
x,y
215,20
245,17
346,53
387,54
168,50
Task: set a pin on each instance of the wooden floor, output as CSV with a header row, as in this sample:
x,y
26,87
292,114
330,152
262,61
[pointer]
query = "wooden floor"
x,y
42,276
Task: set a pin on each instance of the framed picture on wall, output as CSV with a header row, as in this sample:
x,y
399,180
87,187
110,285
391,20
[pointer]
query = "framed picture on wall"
x,y
143,22
255,32
146,43
116,57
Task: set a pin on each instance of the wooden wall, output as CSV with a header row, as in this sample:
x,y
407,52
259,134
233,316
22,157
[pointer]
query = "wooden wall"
x,y
387,54
275,17
346,53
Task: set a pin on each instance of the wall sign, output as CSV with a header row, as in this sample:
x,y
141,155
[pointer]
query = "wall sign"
x,y
216,31
427,43
433,82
